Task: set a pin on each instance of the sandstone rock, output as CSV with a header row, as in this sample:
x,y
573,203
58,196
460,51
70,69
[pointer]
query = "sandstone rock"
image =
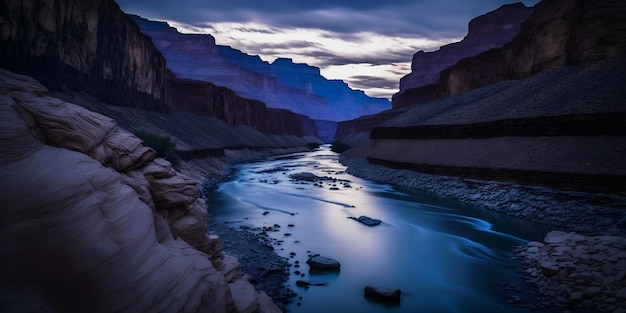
x,y
119,254
244,296
267,305
382,294
323,263
231,269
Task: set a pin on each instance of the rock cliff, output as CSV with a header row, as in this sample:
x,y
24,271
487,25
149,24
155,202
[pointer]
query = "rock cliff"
x,y
206,98
488,31
558,33
281,84
84,45
97,223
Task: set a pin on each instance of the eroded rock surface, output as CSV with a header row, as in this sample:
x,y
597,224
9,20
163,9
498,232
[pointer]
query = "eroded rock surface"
x,y
573,269
93,222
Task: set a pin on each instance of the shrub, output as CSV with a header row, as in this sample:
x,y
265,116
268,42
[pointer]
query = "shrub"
x,y
163,146
339,147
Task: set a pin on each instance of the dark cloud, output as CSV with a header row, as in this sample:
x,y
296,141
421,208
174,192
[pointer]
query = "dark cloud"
x,y
368,82
329,58
412,18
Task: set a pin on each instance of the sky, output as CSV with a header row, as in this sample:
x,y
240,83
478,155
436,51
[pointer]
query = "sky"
x,y
367,43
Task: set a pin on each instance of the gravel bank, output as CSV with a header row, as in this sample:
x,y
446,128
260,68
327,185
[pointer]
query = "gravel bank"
x,y
585,213
267,270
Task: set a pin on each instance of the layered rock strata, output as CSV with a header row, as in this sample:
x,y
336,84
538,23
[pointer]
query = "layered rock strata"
x,y
488,31
94,222
84,45
559,33
204,98
562,128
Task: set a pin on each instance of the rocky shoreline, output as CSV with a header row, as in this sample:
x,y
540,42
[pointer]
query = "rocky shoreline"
x,y
584,213
265,269
584,267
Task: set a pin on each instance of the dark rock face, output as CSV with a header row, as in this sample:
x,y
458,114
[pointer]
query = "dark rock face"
x,y
488,31
281,84
204,98
559,33
84,45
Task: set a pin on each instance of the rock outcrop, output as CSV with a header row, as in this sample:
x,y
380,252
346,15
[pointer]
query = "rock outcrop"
x,y
282,84
559,33
573,269
95,223
488,31
205,98
84,45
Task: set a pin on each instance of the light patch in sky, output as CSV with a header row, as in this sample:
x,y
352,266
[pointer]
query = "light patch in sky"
x,y
354,58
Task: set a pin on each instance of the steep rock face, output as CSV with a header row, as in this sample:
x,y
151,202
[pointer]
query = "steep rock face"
x,y
206,98
281,84
488,31
559,33
96,223
84,45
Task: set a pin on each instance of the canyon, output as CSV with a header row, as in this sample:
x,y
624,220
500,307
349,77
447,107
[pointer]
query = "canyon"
x,y
559,80
281,84
95,221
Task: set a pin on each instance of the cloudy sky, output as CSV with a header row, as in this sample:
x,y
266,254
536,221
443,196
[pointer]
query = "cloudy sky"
x,y
367,43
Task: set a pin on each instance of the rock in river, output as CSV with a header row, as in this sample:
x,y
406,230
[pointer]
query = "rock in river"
x,y
306,283
382,294
318,262
366,220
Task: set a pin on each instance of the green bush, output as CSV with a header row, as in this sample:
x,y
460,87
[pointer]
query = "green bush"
x,y
163,146
339,147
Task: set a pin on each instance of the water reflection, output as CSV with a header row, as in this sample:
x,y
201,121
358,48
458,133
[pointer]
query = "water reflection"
x,y
444,256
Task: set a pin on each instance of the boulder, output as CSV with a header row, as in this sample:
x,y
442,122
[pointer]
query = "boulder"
x,y
306,283
306,176
382,294
318,262
366,220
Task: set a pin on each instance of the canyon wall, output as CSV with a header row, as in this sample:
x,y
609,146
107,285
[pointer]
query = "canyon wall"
x,y
84,45
559,33
204,98
96,223
488,31
281,84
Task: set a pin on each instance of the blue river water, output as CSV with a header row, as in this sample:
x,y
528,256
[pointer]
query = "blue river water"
x,y
443,255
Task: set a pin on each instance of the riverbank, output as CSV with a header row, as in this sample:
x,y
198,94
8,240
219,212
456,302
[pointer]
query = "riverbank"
x,y
585,213
265,269
583,268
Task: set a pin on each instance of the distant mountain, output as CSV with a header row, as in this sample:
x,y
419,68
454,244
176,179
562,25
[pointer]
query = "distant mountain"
x,y
488,31
281,84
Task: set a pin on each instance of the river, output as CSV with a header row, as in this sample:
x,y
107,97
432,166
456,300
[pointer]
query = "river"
x,y
443,255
